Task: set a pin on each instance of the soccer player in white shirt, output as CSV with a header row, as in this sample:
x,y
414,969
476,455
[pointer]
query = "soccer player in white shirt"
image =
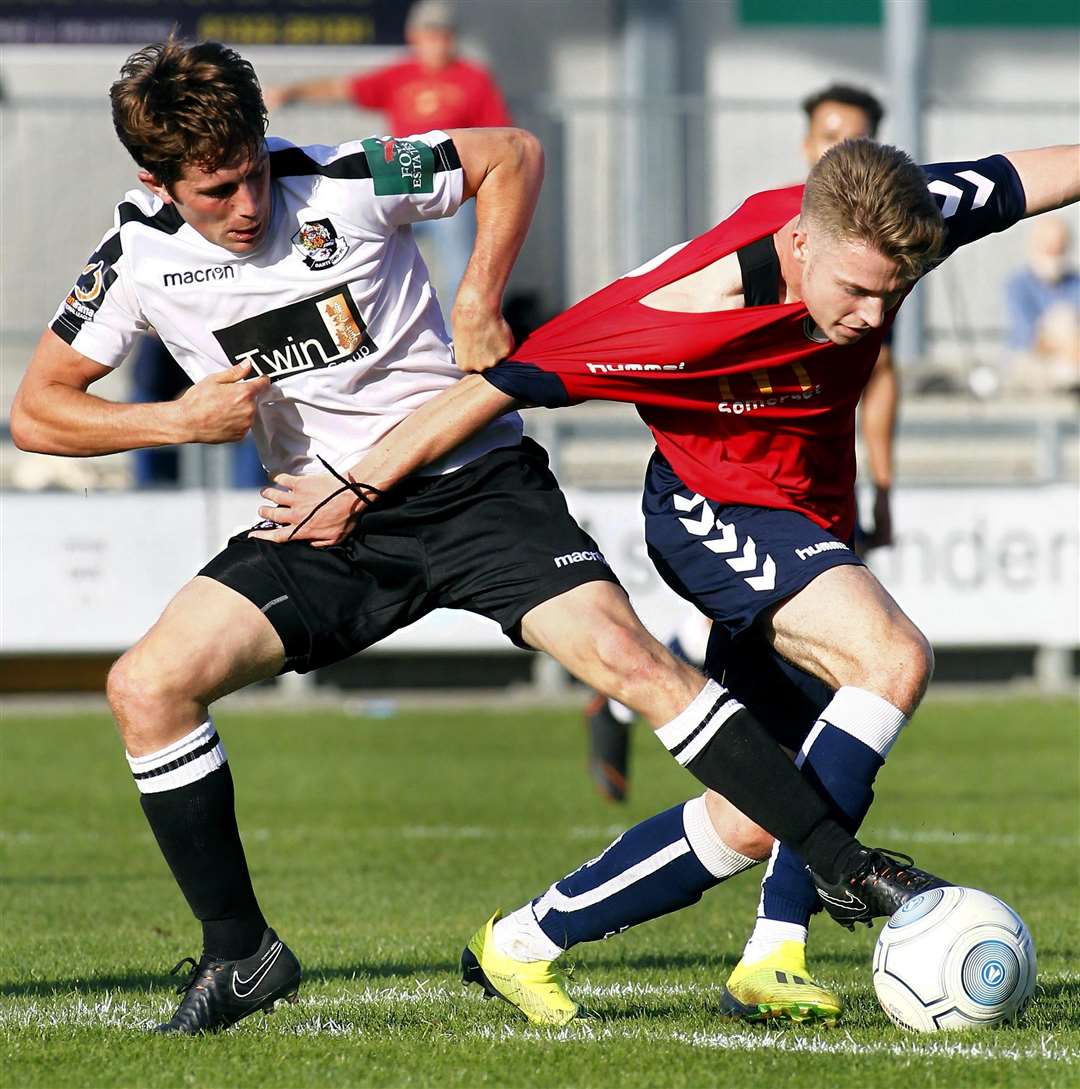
x,y
285,282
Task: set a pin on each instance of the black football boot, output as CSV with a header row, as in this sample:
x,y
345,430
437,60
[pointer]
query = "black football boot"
x,y
218,993
879,883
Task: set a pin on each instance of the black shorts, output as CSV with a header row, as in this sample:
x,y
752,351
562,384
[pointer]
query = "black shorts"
x,y
494,537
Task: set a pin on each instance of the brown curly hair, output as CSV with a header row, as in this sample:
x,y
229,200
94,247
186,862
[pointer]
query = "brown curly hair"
x,y
177,103
861,191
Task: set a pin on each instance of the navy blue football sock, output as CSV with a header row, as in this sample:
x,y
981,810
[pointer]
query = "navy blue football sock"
x,y
841,757
658,866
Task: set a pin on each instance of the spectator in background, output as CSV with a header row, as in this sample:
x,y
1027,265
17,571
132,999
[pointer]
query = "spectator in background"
x,y
1042,300
839,112
433,89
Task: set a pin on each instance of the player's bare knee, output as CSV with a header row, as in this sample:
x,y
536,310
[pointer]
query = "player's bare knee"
x,y
749,839
906,669
140,690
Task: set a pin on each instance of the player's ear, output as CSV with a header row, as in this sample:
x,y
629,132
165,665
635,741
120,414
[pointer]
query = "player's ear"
x,y
155,186
799,243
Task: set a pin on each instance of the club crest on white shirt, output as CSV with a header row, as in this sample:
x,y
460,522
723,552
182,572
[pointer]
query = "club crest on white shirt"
x,y
319,245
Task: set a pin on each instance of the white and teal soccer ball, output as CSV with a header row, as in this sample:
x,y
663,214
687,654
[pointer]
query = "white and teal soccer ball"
x,y
954,958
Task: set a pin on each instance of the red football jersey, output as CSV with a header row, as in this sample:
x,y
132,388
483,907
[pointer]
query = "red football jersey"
x,y
460,96
745,404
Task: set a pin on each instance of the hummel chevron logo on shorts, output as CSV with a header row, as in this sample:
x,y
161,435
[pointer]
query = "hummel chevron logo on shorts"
x,y
728,541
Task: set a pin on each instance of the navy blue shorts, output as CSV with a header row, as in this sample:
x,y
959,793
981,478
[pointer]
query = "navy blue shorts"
x,y
735,562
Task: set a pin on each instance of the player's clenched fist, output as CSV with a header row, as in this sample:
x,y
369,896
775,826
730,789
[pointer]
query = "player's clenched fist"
x,y
481,339
220,407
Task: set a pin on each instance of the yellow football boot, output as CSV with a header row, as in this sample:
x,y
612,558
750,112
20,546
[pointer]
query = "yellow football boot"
x,y
778,986
537,988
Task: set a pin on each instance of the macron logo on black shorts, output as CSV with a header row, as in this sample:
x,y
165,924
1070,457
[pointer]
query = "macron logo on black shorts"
x,y
580,557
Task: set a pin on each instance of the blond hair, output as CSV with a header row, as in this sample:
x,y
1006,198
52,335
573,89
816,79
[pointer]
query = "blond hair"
x,y
861,191
177,103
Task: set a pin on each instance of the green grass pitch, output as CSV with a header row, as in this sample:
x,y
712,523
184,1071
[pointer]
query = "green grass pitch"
x,y
378,844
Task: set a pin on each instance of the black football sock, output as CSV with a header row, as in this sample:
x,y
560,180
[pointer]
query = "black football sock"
x,y
186,792
726,748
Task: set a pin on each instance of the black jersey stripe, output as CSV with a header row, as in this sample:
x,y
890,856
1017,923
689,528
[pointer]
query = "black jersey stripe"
x,y
293,162
446,156
166,219
760,267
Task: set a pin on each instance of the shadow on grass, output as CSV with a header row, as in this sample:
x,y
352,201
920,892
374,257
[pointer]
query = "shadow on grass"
x,y
716,966
161,981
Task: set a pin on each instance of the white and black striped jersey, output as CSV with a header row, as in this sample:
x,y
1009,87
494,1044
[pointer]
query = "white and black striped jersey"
x,y
334,305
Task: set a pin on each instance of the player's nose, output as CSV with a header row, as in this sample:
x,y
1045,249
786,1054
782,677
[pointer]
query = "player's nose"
x,y
246,200
872,312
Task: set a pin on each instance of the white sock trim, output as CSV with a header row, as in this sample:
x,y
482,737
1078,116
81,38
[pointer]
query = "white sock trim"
x,y
865,716
693,728
186,761
519,937
768,935
711,851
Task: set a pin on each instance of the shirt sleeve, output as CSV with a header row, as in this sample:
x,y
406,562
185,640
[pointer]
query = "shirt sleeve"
x,y
413,178
527,383
976,198
101,316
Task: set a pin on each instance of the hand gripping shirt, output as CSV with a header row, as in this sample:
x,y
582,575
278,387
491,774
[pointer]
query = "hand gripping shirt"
x,y
335,305
749,406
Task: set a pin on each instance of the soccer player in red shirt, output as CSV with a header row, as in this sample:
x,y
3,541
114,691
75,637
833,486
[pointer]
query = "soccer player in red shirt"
x,y
836,113
745,351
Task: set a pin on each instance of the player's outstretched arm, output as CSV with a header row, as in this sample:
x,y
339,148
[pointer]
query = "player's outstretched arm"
x,y
503,170
327,89
427,434
53,412
1050,176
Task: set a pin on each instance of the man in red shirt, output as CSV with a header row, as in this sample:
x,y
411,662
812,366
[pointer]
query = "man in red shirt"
x,y
433,89
745,351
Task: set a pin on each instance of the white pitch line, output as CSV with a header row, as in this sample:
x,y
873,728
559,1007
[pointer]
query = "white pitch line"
x,y
901,836
327,1016
115,1012
971,839
784,1043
